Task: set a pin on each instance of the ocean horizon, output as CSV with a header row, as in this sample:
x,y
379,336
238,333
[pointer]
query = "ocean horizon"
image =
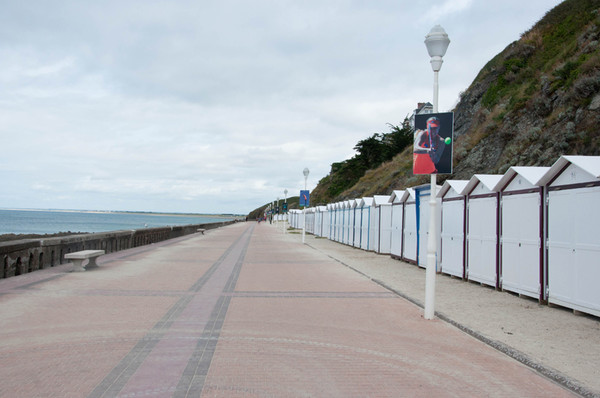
x,y
51,221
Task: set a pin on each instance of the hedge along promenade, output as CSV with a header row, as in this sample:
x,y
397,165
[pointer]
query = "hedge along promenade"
x,y
28,255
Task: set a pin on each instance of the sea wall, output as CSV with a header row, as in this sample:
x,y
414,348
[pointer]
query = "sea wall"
x,y
28,255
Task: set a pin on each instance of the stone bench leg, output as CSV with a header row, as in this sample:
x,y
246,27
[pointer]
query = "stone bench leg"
x,y
92,263
78,265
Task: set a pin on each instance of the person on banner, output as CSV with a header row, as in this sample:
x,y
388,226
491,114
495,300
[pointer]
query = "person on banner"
x,y
428,148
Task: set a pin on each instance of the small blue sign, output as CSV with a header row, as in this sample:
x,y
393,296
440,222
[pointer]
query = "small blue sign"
x,y
305,198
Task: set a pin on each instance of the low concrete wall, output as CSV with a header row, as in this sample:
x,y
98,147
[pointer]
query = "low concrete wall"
x,y
28,255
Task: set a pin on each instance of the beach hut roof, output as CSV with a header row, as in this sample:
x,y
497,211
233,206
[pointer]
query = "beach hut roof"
x,y
322,208
354,203
457,185
409,193
396,196
530,174
490,181
379,200
366,201
589,164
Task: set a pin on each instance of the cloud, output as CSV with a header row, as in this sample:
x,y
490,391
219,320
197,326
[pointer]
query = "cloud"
x,y
216,106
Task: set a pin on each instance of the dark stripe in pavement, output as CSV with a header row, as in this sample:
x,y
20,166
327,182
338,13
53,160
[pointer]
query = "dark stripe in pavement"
x,y
116,380
15,290
194,375
295,294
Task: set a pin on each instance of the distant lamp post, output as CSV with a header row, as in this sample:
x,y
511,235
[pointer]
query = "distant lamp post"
x,y
306,171
277,213
437,42
285,192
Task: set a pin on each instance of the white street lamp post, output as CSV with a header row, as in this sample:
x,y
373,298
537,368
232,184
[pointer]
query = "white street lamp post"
x,y
305,172
437,42
285,192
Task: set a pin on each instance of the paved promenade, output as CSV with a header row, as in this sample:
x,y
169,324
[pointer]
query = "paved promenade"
x,y
243,311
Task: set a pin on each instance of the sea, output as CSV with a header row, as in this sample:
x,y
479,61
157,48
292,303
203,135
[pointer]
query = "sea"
x,y
55,221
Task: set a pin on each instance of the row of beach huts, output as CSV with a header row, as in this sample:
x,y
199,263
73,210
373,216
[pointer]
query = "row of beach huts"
x,y
532,231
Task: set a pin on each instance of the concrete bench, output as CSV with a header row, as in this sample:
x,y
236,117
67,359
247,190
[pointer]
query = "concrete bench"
x,y
201,230
79,257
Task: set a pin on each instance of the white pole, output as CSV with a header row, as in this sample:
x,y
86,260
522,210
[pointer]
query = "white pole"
x,y
304,217
437,42
304,224
429,310
430,271
436,90
304,209
286,219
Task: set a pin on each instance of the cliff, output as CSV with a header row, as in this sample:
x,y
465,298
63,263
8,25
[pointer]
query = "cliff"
x,y
536,100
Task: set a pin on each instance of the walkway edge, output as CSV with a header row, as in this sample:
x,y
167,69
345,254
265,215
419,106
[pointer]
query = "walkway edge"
x,y
546,371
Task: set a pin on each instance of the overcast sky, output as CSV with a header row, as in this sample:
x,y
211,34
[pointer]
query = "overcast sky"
x,y
216,106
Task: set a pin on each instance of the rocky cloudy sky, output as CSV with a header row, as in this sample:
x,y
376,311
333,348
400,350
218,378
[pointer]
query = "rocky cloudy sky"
x,y
216,106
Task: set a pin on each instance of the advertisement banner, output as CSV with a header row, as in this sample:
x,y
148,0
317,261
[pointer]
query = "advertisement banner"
x,y
432,150
304,198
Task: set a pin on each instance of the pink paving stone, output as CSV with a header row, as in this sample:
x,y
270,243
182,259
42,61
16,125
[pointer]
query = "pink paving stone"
x,y
357,347
301,324
313,276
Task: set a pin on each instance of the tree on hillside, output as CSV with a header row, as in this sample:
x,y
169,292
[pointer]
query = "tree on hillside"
x,y
381,147
371,152
399,137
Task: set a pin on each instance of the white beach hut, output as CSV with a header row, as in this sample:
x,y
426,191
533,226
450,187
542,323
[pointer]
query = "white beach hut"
x,y
423,193
310,220
349,226
346,223
334,221
374,227
410,232
357,222
522,231
325,218
483,214
573,246
341,220
339,210
343,215
325,221
366,207
352,223
317,227
397,223
320,216
295,218
331,215
453,227
383,215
